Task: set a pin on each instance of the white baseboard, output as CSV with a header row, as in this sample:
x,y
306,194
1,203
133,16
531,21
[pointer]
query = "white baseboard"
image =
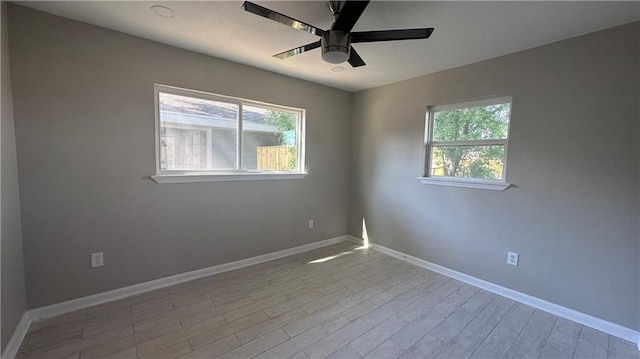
x,y
95,299
13,345
76,304
563,312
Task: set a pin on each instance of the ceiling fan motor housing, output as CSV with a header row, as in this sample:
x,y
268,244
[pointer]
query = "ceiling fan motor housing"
x,y
336,46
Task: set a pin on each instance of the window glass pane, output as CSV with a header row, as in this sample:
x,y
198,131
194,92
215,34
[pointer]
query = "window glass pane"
x,y
269,139
197,134
484,162
473,123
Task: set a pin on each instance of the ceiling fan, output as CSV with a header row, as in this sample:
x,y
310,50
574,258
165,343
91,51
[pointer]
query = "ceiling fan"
x,y
336,42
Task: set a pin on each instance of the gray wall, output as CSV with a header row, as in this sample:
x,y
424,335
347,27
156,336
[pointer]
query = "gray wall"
x,y
84,111
573,157
83,101
13,290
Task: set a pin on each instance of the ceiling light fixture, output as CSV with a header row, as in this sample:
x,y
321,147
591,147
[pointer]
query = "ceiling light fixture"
x,y
337,69
163,11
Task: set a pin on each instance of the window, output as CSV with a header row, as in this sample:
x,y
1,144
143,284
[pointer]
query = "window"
x,y
466,144
207,137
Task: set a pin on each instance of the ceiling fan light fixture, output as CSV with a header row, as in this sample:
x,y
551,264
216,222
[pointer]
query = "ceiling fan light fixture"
x,y
336,47
335,56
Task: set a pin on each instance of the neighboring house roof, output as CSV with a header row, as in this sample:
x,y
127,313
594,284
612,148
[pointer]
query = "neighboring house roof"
x,y
207,108
214,122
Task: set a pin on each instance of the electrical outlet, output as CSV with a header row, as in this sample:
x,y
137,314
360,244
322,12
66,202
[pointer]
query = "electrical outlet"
x,y
97,260
512,258
311,224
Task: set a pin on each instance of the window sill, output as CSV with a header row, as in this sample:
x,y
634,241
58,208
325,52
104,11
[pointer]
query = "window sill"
x,y
478,184
218,177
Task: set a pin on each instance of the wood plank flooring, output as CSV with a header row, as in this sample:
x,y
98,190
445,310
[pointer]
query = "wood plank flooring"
x,y
340,301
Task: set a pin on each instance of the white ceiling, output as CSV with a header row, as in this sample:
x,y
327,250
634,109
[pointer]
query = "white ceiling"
x,y
465,32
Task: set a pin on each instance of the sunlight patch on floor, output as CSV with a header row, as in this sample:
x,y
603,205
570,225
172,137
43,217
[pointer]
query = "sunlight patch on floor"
x,y
321,260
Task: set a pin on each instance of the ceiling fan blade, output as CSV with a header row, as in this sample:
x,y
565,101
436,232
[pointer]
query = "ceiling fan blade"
x,y
298,50
278,17
349,15
391,35
354,59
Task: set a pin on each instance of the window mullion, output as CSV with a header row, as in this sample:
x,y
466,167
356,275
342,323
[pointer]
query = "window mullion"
x,y
239,138
298,132
429,141
468,143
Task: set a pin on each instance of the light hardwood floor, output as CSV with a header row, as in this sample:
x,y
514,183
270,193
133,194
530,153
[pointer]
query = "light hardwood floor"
x,y
334,302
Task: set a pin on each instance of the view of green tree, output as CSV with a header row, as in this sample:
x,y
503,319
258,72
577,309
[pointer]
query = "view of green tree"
x,y
469,124
284,122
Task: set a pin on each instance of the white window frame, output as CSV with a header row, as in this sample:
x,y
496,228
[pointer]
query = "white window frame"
x,y
429,143
238,174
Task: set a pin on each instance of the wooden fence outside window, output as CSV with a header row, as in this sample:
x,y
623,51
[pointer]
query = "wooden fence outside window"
x,y
276,158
